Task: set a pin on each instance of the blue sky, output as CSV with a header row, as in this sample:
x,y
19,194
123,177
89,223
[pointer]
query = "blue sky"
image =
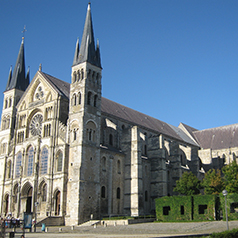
x,y
175,60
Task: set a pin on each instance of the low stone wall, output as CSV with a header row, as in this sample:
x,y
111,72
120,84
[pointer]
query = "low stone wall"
x,y
125,222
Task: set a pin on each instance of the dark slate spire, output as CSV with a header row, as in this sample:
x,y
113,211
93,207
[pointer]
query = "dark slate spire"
x,y
87,52
76,52
28,76
9,77
18,79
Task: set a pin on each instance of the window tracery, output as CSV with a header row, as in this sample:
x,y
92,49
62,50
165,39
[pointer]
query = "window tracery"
x,y
20,137
39,94
36,125
30,159
47,130
18,165
59,161
44,161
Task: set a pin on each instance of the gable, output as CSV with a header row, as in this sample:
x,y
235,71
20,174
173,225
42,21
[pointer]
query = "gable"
x,y
42,89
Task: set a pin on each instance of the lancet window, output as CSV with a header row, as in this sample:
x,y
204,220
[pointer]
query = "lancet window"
x,y
18,165
30,159
59,161
47,130
44,161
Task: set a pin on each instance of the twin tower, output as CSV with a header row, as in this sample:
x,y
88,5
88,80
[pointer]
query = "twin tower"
x,y
50,138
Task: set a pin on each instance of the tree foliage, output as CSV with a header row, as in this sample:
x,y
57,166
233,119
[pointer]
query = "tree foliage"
x,y
213,182
230,172
188,184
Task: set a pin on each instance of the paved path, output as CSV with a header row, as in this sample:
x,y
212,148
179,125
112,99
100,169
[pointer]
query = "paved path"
x,y
137,230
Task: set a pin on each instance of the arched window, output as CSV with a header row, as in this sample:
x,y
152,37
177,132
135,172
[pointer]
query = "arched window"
x,y
79,98
90,130
118,193
9,168
89,74
118,166
78,75
82,74
18,165
74,77
59,161
110,139
95,100
15,192
183,159
104,163
103,192
74,99
89,98
75,134
30,158
6,103
145,150
44,192
146,196
90,134
10,102
44,161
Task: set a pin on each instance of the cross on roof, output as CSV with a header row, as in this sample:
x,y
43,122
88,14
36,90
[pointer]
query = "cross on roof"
x,y
23,32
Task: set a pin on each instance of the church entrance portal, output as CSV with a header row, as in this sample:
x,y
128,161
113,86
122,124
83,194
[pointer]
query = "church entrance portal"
x,y
6,203
57,203
29,200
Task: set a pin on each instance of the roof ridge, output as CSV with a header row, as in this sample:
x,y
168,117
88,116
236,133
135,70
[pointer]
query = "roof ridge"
x,y
214,128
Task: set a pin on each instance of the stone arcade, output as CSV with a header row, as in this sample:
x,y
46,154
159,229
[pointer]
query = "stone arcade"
x,y
76,153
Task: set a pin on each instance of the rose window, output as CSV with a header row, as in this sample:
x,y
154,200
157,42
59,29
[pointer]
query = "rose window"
x,y
36,125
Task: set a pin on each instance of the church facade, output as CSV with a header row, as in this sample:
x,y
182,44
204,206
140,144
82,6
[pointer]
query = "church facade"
x,y
68,152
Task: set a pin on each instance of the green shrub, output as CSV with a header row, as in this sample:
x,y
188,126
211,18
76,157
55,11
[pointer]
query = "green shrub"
x,y
225,234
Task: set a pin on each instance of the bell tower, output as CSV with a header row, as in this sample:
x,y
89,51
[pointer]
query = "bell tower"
x,y
84,129
17,83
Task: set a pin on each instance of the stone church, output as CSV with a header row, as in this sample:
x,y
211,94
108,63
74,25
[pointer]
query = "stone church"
x,y
68,152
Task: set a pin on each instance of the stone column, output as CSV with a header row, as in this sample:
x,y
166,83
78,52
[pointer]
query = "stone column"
x,y
110,186
136,172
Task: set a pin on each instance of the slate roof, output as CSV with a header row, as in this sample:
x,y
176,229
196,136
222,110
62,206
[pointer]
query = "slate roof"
x,y
218,138
137,118
214,138
62,87
127,114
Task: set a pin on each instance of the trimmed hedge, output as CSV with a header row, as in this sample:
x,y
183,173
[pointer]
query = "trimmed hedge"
x,y
232,201
205,207
174,208
196,207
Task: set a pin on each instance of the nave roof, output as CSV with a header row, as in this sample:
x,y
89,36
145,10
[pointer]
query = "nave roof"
x,y
127,114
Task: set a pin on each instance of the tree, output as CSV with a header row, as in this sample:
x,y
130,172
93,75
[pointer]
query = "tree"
x,y
188,184
230,172
213,182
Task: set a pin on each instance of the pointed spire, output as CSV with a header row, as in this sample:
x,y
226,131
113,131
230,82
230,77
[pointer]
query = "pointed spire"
x,y
98,56
18,79
9,77
76,52
28,76
87,52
